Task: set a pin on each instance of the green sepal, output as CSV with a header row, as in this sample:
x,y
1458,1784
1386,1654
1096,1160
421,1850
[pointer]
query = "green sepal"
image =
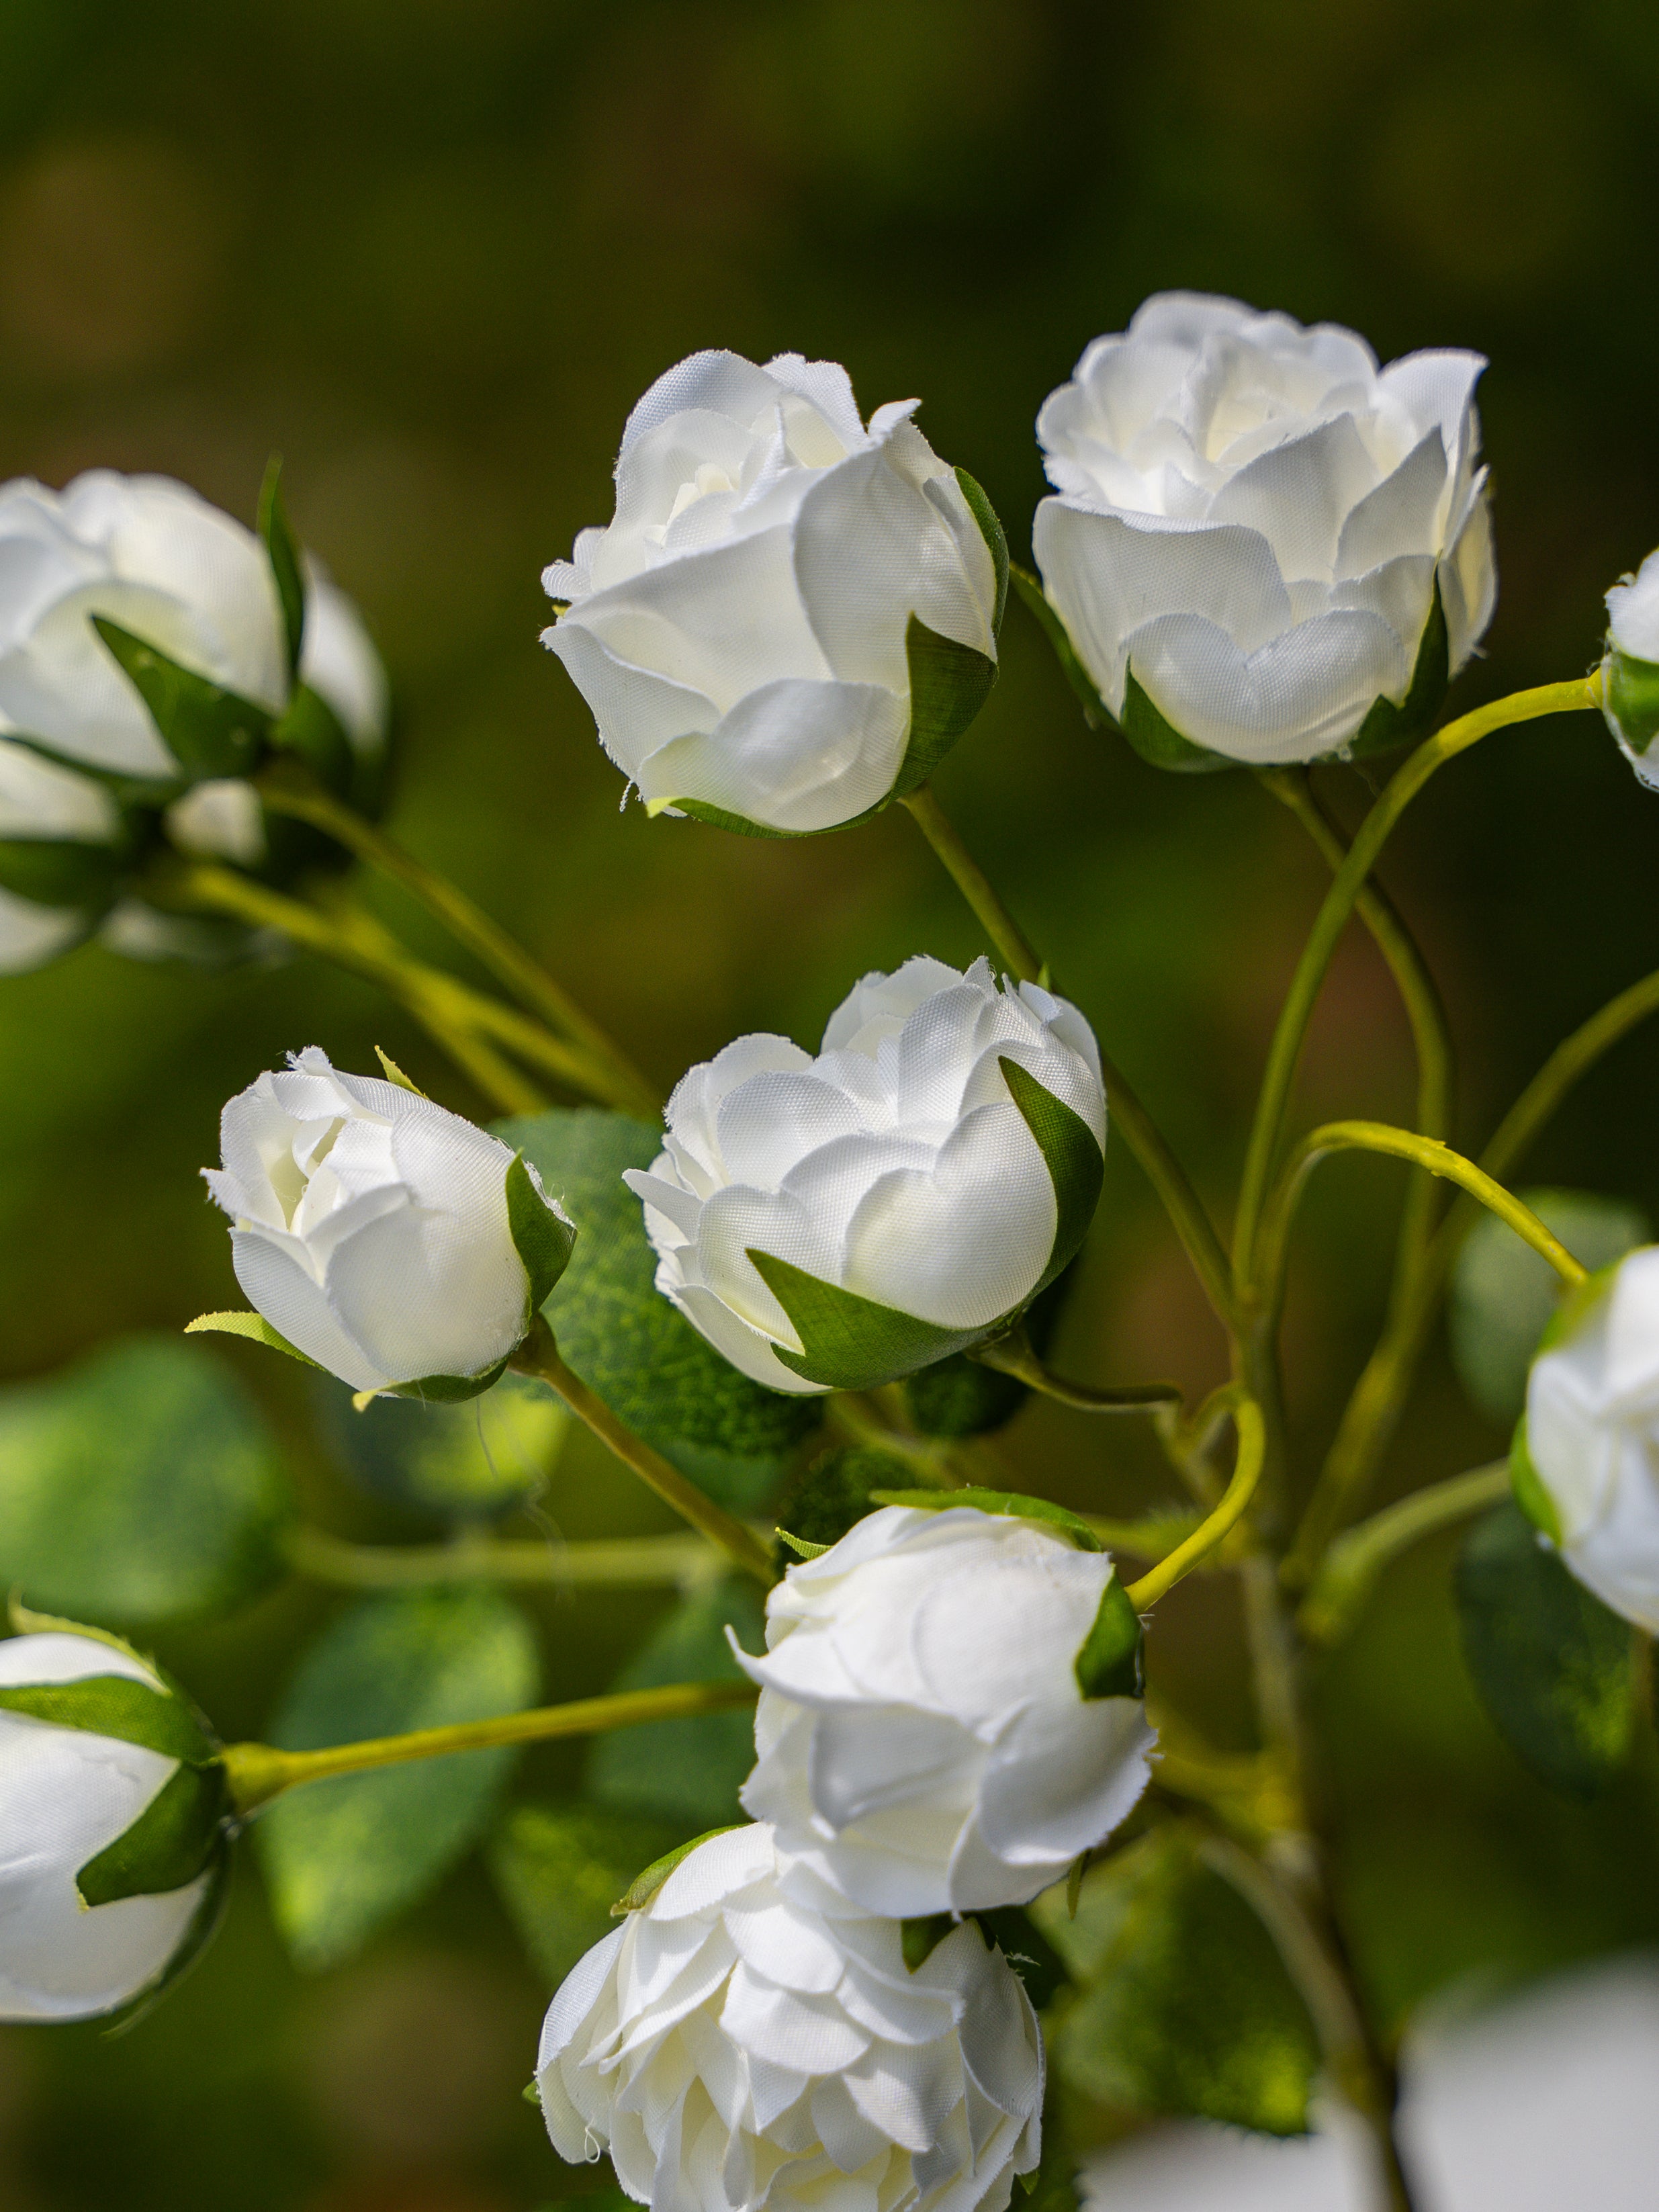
x,y
1388,726
801,1546
996,538
1009,1503
115,1705
61,872
543,1239
253,1326
949,684
1633,700
1029,587
531,2093
919,1938
445,1390
209,732
1112,1660
309,728
169,1844
644,1887
282,549
852,1343
1527,1485
1076,1164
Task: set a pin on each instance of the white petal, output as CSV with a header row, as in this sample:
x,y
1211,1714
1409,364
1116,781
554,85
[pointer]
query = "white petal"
x,y
31,935
797,754
293,1302
637,710
1300,494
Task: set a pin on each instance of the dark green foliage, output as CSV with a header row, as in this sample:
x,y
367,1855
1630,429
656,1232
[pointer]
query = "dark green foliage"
x,y
561,1867
686,1770
833,1493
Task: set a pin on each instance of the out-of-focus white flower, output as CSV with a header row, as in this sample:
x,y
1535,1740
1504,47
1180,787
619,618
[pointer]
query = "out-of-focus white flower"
x,y
1630,671
59,836
940,1160
739,629
926,1741
385,1238
67,1794
1587,1457
747,2040
221,819
1251,525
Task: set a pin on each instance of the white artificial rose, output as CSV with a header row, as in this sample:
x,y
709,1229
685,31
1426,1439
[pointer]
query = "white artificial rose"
x,y
1251,523
748,2040
896,1165
375,1231
58,832
219,819
926,1744
66,1795
1630,671
1591,1437
739,628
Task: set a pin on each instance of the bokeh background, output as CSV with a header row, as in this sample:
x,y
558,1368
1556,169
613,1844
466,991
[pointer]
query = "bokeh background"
x,y
431,253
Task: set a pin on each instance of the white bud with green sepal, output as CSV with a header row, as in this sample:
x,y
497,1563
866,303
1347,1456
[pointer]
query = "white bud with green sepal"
x,y
1631,671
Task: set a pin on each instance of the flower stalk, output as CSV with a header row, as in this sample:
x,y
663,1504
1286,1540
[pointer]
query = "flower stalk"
x,y
1247,1473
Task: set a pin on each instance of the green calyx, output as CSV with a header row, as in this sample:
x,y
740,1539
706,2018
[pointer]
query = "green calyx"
x,y
1633,700
644,1887
173,1841
209,730
543,1239
1527,1485
1111,1662
853,1343
1007,1504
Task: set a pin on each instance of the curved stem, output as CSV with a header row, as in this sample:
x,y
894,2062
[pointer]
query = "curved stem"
x,y
1352,1564
1247,1473
257,1772
1340,901
538,1355
619,1563
288,788
1158,1164
1012,1355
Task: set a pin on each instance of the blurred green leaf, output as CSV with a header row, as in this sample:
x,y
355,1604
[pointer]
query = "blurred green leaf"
x,y
343,1856
561,1867
625,1340
687,1770
1183,2003
1503,1292
1554,1667
139,1484
208,730
461,1462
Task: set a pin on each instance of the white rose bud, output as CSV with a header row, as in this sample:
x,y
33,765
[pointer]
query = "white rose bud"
x,y
951,1710
384,1238
1586,1452
838,1222
790,617
1630,671
745,2041
111,1835
62,841
1263,549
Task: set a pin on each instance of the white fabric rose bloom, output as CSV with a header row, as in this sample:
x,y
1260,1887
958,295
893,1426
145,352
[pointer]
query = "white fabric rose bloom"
x,y
60,835
927,1742
1586,1458
745,2041
837,1222
1630,671
67,1794
1252,526
740,627
389,1241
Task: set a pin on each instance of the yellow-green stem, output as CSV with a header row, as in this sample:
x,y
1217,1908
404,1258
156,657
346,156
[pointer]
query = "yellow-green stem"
x,y
1247,1473
1012,1355
257,1772
619,1563
1350,1568
538,1355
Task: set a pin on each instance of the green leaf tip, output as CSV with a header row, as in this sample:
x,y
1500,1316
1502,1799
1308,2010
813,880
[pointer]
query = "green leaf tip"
x,y
543,1238
282,550
801,1547
1010,1504
852,1343
1111,1662
644,1887
252,1326
393,1074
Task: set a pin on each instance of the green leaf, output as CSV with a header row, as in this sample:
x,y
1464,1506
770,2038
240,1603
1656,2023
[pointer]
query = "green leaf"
x,y
853,1343
560,1868
254,1327
309,727
991,530
173,1840
645,1885
1182,2005
1009,1502
461,1462
1503,1294
1112,1661
1076,1164
1633,699
115,1705
208,730
140,1485
686,1770
834,1494
284,553
59,873
1554,1667
541,1239
624,1338
343,1856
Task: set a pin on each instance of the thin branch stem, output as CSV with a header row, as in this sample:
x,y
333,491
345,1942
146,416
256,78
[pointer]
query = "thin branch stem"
x,y
1012,1355
538,1355
1012,945
1247,1473
619,1563
288,788
1291,1033
259,1771
1350,1568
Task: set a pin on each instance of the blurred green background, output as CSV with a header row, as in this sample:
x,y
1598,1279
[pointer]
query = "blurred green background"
x,y
431,253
